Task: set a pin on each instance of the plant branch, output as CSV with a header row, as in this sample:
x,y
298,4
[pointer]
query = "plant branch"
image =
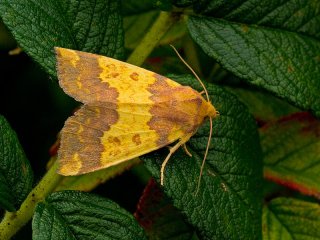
x,y
13,221
191,55
89,181
163,23
51,182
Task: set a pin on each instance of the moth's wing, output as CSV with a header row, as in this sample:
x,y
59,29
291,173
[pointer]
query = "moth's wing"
x,y
102,135
92,78
128,111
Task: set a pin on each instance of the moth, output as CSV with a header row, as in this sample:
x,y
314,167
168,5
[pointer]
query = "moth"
x,y
127,111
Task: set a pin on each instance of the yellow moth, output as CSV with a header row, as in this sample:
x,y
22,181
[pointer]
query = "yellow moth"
x,y
128,111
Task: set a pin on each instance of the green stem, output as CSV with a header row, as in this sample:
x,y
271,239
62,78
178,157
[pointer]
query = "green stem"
x,y
191,55
215,69
13,221
163,23
89,181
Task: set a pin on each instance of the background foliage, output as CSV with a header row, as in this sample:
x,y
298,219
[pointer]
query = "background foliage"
x,y
260,60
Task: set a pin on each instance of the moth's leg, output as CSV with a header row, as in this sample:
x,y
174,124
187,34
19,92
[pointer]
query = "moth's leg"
x,y
202,92
172,150
186,150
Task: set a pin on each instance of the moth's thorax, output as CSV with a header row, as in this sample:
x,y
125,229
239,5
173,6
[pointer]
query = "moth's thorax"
x,y
184,106
201,107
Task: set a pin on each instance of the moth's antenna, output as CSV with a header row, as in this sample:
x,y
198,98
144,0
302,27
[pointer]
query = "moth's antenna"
x,y
205,155
210,118
194,73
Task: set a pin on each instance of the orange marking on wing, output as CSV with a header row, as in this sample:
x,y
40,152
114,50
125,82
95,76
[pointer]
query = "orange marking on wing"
x,y
114,140
136,139
134,76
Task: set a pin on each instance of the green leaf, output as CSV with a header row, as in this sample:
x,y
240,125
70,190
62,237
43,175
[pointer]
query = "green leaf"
x,y
228,204
291,149
297,16
285,63
16,175
77,215
159,218
262,105
133,7
287,219
38,26
183,3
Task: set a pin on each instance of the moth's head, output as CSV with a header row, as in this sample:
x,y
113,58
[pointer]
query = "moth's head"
x,y
211,111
